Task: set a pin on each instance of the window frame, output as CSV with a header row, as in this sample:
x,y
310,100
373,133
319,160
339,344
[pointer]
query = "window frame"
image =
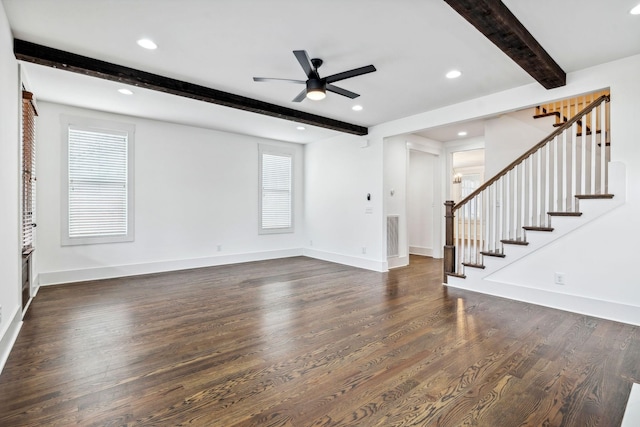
x,y
281,152
103,126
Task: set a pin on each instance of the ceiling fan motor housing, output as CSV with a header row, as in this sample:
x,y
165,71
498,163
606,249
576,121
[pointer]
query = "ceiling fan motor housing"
x,y
314,85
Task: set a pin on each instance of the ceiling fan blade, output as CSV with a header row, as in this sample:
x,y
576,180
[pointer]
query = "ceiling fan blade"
x,y
305,62
350,73
302,95
343,92
269,79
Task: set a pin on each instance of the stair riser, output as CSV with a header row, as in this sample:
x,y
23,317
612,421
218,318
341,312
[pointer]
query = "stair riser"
x,y
593,208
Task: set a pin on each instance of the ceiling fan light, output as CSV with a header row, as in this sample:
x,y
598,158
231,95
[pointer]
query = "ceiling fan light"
x,y
316,94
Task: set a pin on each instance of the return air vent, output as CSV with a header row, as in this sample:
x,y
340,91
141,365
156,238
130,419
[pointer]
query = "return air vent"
x,y
392,235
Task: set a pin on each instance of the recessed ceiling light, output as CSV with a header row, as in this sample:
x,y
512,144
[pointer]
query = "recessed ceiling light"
x,y
453,74
301,127
462,133
147,44
357,108
635,10
125,91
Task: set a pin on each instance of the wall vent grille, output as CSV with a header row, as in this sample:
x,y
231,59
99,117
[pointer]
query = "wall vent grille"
x,y
393,238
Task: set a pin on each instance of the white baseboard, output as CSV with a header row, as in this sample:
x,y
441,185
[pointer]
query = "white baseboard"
x,y
9,338
420,250
367,264
81,275
574,303
398,261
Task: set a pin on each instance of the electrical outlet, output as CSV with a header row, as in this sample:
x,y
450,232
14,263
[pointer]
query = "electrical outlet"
x,y
364,250
219,248
310,242
559,279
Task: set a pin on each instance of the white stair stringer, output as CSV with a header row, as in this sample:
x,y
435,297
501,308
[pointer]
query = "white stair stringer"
x,y
476,278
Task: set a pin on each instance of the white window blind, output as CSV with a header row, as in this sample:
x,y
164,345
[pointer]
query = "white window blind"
x,y
29,114
276,199
98,186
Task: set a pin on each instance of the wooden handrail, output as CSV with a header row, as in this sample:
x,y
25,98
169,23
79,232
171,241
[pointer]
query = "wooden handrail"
x,y
533,149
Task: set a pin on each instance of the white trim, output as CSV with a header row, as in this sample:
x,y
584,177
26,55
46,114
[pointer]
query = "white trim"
x,y
398,261
367,264
79,275
574,303
9,337
420,250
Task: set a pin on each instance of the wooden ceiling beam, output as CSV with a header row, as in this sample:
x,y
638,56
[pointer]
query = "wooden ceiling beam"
x,y
43,55
493,19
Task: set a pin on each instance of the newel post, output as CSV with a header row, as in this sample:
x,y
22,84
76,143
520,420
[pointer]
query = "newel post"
x,y
449,247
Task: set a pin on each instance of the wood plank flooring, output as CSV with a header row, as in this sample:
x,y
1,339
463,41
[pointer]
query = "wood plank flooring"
x,y
301,342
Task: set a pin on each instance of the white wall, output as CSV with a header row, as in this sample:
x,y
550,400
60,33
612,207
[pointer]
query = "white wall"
x,y
10,246
195,189
340,222
396,165
506,138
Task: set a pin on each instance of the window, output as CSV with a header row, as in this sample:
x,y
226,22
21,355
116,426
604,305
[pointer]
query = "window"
x,y
276,170
29,114
470,183
97,188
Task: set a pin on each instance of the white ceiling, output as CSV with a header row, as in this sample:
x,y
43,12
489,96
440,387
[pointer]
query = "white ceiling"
x,y
223,44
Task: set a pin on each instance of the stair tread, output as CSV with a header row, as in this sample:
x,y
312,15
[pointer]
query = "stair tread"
x,y
533,228
588,133
541,115
564,213
469,264
493,253
594,196
461,276
514,242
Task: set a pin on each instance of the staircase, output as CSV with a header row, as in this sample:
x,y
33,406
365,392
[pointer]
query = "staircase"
x,y
556,186
566,109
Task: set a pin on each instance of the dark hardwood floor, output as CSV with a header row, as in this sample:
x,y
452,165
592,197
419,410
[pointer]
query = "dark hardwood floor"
x,y
301,342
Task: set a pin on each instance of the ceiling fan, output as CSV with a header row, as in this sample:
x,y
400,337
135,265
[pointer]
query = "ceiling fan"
x,y
318,86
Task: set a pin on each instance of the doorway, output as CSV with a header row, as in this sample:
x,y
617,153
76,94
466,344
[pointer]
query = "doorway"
x,y
422,212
